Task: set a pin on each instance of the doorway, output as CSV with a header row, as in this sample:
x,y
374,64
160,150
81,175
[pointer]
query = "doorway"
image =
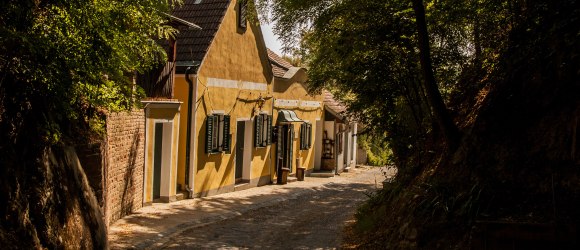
x,y
157,159
285,148
161,172
161,159
243,151
240,151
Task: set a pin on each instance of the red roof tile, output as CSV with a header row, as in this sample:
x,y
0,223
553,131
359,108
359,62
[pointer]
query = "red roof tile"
x,y
279,65
332,104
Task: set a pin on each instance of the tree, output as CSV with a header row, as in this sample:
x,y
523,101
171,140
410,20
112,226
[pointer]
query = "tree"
x,y
61,64
366,53
431,89
398,70
379,56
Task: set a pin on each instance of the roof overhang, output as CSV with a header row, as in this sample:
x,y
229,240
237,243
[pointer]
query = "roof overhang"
x,y
333,112
288,116
181,66
168,104
189,25
292,72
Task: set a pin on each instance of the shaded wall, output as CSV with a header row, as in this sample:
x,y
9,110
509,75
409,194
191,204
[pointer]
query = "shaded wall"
x,y
123,168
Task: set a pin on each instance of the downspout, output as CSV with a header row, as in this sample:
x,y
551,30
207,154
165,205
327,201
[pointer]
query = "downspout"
x,y
271,145
188,133
354,144
336,146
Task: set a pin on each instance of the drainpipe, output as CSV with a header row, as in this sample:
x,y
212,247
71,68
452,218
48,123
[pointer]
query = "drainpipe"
x,y
188,185
336,146
271,145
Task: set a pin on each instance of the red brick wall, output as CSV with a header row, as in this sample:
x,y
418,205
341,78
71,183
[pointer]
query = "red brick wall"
x,y
123,170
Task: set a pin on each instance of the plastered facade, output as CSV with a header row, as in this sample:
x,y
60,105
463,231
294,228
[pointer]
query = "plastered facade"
x,y
292,95
167,114
233,76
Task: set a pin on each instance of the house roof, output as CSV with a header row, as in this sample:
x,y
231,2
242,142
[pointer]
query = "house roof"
x,y
174,19
279,65
192,45
332,105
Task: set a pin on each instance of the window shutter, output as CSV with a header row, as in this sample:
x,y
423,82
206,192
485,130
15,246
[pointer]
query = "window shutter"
x,y
209,134
258,131
242,13
302,136
269,130
227,144
291,147
309,135
226,134
279,149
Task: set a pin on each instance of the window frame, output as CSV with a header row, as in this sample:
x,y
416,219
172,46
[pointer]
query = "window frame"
x,y
305,136
217,133
243,14
263,130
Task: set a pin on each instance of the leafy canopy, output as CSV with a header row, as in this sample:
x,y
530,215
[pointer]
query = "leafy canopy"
x,y
367,54
66,58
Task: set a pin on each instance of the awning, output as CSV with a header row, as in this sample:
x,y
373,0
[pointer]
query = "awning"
x,y
288,116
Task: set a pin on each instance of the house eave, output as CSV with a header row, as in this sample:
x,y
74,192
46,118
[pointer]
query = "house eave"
x,y
190,25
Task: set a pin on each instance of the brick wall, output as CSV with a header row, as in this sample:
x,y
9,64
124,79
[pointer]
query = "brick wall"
x,y
123,168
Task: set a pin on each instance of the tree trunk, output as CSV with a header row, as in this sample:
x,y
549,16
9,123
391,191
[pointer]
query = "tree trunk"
x,y
448,128
477,37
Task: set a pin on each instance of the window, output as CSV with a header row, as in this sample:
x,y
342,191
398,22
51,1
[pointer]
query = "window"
x,y
242,13
262,130
305,136
217,134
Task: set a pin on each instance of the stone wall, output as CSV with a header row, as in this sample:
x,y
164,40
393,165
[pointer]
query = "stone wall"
x,y
123,168
92,161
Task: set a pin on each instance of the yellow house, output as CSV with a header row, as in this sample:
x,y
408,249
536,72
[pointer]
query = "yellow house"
x,y
298,141
162,127
229,79
229,114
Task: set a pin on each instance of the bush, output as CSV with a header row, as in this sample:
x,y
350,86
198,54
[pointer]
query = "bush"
x,y
378,151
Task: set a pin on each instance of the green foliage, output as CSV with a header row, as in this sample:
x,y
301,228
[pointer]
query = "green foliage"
x,y
371,63
62,64
523,52
70,59
371,213
366,53
377,149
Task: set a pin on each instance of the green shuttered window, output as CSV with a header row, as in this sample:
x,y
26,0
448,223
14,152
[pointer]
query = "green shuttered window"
x,y
217,134
262,130
305,136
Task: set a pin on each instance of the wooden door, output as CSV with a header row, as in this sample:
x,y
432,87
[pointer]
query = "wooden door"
x,y
241,127
157,160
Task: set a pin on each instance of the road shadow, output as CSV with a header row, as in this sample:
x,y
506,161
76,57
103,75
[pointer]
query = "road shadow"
x,y
153,227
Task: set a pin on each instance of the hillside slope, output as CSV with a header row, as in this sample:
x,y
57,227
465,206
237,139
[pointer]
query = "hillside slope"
x,y
518,160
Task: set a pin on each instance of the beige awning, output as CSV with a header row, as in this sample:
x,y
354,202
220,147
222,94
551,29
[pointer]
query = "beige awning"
x,y
288,116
